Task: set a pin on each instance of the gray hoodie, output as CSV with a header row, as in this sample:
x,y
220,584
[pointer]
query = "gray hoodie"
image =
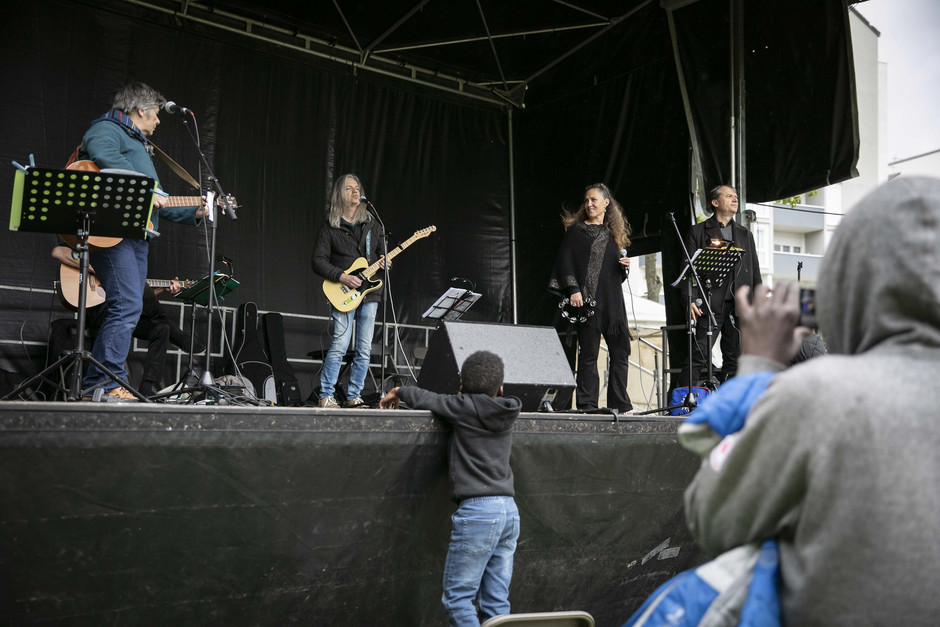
x,y
840,457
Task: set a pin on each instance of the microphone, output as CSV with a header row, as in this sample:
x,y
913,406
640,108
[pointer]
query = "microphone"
x,y
623,253
365,200
171,108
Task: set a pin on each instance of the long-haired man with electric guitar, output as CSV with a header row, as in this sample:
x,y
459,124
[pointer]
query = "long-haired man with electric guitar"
x,y
118,139
349,234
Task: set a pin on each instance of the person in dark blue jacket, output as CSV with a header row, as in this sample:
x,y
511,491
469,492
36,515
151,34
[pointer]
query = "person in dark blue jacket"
x,y
119,140
486,525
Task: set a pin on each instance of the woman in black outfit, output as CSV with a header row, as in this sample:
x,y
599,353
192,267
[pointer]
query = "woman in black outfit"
x,y
590,269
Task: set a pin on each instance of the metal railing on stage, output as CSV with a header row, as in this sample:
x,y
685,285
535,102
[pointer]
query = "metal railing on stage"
x,y
178,360
420,336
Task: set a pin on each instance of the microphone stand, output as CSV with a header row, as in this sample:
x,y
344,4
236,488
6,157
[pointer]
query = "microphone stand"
x,y
224,206
375,214
689,401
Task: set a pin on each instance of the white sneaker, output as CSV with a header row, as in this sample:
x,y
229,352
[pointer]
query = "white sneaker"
x,y
328,402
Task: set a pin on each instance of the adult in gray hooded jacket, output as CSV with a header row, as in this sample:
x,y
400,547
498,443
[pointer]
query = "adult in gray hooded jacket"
x,y
840,457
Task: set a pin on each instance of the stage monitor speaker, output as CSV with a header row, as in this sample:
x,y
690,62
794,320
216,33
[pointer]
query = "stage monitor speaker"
x,y
534,364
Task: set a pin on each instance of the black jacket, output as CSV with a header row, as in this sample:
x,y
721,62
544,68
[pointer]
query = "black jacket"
x,y
746,272
337,248
480,439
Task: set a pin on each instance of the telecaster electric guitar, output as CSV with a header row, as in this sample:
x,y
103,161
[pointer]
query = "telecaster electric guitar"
x,y
172,201
348,298
67,287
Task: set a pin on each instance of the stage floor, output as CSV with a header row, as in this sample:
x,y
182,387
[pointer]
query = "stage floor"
x,y
144,513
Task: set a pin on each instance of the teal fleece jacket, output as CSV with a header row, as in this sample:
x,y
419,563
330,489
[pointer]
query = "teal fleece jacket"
x,y
111,145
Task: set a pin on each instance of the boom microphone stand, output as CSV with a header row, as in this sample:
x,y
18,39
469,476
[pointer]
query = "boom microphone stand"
x,y
226,205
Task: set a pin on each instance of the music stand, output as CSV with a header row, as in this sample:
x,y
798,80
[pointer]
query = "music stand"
x,y
709,268
198,293
705,268
714,265
452,304
117,202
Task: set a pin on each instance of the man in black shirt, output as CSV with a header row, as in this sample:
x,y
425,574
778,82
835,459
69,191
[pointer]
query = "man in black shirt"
x,y
723,201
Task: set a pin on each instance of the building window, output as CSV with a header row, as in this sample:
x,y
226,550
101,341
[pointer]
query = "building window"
x,y
776,248
786,248
797,249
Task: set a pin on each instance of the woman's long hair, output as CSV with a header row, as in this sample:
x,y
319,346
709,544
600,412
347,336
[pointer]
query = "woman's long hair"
x,y
614,222
336,203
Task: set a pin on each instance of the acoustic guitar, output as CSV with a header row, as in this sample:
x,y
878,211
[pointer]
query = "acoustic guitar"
x,y
347,298
172,201
66,288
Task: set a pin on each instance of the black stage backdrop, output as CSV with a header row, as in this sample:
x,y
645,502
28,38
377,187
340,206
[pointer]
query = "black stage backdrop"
x,y
276,131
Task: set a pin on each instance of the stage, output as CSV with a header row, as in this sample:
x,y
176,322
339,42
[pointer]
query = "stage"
x,y
154,514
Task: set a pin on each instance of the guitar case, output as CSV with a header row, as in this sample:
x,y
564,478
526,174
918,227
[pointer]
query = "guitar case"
x,y
249,353
288,389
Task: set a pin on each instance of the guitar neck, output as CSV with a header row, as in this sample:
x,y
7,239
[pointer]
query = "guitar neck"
x,y
183,201
368,272
167,282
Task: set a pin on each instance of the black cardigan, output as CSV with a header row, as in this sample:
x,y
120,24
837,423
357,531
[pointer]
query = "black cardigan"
x,y
589,262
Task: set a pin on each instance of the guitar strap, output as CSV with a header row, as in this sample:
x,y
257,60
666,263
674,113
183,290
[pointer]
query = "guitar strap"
x,y
177,168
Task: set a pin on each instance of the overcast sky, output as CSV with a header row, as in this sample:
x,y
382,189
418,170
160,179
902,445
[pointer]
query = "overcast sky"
x,y
910,46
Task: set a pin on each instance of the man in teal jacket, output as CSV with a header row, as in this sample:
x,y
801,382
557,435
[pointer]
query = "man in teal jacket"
x,y
118,139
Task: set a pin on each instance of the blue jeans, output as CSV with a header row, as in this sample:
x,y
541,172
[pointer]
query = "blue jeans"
x,y
122,270
479,560
364,316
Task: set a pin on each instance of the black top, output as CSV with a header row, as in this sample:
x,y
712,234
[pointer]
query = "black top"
x,y
480,439
337,248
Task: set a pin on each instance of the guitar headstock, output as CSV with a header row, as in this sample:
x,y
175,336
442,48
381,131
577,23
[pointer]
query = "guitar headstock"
x,y
425,232
227,203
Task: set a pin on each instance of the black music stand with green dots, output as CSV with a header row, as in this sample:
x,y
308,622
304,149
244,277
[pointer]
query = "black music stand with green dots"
x,y
113,203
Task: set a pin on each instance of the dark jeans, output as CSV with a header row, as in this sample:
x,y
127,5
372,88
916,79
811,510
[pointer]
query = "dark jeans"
x,y
588,390
122,270
726,321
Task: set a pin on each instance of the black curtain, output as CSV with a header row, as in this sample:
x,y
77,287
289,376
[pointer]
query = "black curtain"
x,y
277,128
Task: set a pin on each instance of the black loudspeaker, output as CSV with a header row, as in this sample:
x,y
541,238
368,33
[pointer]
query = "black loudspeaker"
x,y
534,364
